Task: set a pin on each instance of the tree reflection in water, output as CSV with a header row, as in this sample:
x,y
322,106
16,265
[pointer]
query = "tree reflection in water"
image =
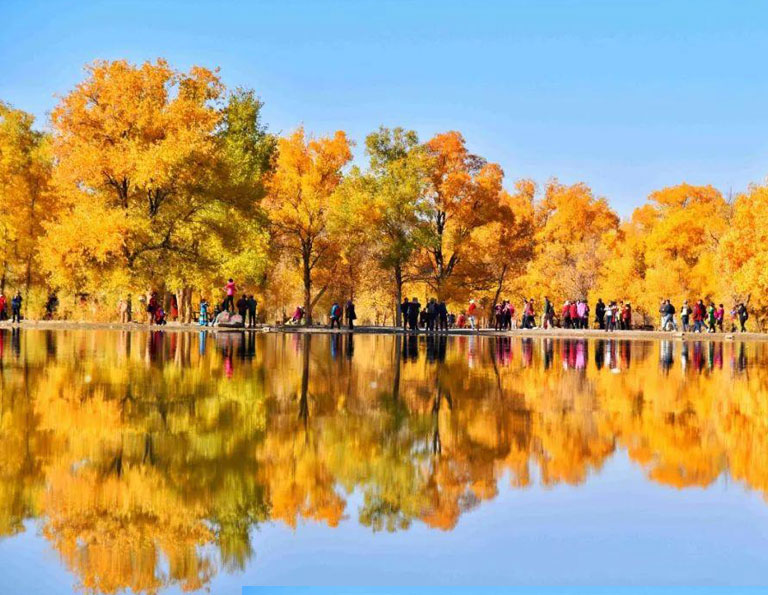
x,y
148,458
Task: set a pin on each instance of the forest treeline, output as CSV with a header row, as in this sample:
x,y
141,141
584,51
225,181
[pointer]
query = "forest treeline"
x,y
150,178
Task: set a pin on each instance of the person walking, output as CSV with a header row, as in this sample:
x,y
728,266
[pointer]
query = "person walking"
x,y
668,319
229,301
16,307
608,317
471,314
685,316
335,315
349,312
498,316
252,305
719,317
698,316
743,315
711,318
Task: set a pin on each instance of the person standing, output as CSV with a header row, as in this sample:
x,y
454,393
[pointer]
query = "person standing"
x,y
608,317
351,315
600,313
413,314
16,307
203,320
229,301
152,307
581,314
626,317
574,312
442,316
404,307
431,314
242,307
3,306
252,304
174,308
122,308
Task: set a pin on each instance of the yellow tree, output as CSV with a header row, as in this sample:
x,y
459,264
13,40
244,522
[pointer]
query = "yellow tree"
x,y
742,249
384,207
25,171
570,223
668,249
306,174
462,194
135,148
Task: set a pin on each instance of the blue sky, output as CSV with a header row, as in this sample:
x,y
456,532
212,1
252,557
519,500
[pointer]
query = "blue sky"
x,y
626,96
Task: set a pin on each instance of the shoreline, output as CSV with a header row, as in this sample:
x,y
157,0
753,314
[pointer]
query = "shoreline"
x,y
558,333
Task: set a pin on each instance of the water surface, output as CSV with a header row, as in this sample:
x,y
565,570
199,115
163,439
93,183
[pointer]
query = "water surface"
x,y
168,462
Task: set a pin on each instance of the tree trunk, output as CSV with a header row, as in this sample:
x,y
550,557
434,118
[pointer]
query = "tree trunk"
x,y
398,294
27,283
307,288
497,295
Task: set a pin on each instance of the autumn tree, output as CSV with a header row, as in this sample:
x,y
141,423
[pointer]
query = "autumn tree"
x,y
28,203
135,149
742,249
570,223
306,174
462,194
385,206
668,249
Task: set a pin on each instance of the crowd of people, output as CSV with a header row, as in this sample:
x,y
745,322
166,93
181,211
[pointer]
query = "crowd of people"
x,y
695,316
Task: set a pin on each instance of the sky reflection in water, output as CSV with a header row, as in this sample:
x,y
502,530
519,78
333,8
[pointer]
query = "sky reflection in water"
x,y
171,461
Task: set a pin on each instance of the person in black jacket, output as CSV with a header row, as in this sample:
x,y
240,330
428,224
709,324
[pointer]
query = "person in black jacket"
x,y
349,312
413,314
242,307
600,313
404,308
252,304
442,316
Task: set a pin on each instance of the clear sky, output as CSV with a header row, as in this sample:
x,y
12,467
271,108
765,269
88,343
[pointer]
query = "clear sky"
x,y
626,96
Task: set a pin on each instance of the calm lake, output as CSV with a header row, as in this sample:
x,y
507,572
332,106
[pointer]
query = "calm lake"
x,y
168,462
